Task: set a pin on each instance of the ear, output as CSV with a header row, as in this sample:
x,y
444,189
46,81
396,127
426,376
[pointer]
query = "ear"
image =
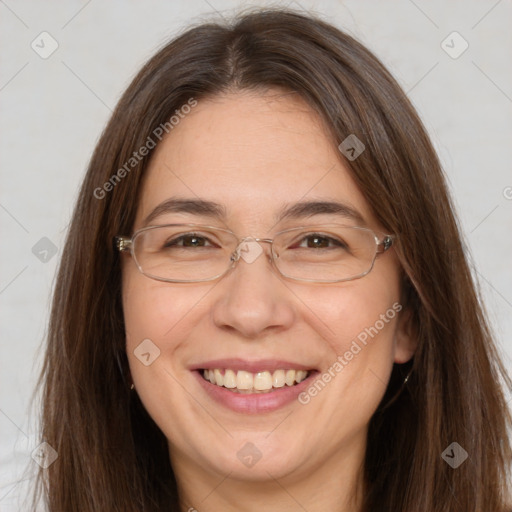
x,y
406,340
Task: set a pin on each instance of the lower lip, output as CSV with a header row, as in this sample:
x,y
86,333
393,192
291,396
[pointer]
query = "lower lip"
x,y
255,403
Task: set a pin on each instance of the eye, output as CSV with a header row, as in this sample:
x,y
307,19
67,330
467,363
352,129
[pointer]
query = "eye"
x,y
319,241
188,240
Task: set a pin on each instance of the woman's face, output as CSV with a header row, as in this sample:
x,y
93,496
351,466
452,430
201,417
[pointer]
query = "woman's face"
x,y
255,156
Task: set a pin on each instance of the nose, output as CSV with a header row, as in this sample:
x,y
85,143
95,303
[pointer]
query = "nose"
x,y
252,300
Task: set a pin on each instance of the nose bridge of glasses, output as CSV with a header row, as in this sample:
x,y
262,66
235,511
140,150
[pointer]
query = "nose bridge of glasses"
x,y
249,249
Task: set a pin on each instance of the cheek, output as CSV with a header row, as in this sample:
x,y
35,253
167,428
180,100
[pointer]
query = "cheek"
x,y
357,321
157,320
363,310
153,309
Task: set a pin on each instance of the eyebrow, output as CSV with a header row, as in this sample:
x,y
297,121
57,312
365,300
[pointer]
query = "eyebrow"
x,y
192,206
310,208
298,210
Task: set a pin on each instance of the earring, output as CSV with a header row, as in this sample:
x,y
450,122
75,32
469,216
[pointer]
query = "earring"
x,y
402,387
132,386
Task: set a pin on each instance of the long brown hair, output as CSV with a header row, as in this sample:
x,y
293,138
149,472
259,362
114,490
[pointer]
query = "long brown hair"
x,y
112,456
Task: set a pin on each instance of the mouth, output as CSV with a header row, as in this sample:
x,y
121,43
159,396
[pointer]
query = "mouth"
x,y
244,382
253,387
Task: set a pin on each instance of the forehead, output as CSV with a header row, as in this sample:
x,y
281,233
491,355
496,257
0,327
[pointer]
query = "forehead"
x,y
253,153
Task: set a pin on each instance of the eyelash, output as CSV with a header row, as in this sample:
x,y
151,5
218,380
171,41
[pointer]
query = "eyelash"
x,y
176,241
338,243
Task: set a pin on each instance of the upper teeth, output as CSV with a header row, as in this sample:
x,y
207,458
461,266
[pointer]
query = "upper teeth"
x,y
261,381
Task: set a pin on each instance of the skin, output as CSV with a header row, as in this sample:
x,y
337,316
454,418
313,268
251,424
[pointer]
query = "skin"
x,y
241,150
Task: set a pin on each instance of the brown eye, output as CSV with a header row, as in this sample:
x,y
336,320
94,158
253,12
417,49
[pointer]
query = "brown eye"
x,y
316,241
188,240
193,241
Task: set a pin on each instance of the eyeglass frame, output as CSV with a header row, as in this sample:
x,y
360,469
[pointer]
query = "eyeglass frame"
x,y
126,244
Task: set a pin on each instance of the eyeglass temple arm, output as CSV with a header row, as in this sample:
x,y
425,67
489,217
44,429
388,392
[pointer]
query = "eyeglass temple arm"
x,y
122,243
385,243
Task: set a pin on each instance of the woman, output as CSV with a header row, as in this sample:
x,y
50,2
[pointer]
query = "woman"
x,y
264,302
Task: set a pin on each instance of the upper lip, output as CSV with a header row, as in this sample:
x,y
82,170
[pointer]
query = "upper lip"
x,y
250,366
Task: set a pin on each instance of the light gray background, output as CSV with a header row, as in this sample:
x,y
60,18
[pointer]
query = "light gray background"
x,y
54,109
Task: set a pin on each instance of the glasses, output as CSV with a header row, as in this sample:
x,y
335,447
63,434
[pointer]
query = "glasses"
x,y
190,253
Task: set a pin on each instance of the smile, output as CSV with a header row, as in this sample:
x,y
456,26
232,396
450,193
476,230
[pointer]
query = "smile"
x,y
252,383
253,386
